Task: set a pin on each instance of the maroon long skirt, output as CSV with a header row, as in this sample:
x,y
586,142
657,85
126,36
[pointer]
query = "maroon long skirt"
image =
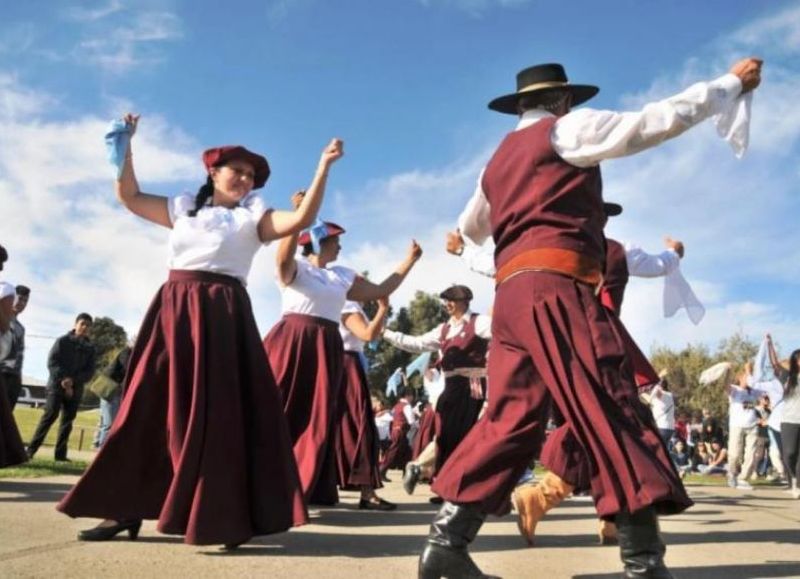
x,y
200,442
456,413
356,433
12,451
307,358
426,432
551,337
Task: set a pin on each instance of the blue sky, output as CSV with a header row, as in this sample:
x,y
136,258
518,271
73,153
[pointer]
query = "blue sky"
x,y
405,84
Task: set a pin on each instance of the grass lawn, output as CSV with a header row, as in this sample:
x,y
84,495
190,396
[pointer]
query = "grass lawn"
x,y
41,467
85,423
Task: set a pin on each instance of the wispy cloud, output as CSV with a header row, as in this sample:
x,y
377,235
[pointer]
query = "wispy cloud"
x,y
83,14
131,43
475,7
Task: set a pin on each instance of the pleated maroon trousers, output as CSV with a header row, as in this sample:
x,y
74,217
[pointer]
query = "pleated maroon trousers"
x,y
356,433
307,358
12,451
553,338
200,442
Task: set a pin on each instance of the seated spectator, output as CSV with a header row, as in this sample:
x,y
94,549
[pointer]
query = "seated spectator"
x,y
714,461
682,457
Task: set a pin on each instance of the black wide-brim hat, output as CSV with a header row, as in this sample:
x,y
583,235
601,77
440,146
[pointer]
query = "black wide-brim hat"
x,y
220,155
538,79
457,293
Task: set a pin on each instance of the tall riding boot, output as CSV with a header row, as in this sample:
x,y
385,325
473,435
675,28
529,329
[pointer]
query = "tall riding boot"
x,y
445,554
532,502
641,548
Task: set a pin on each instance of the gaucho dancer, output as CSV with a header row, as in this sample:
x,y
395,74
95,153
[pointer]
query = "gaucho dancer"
x,y
540,198
462,342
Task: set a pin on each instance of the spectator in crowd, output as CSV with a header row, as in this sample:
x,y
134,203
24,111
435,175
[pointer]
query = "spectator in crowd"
x,y
761,456
713,459
742,430
681,456
694,431
790,420
662,405
383,421
682,426
71,364
110,399
11,366
12,451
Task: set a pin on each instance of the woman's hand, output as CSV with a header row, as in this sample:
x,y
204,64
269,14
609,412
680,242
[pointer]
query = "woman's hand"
x,y
383,303
414,252
297,199
333,152
132,121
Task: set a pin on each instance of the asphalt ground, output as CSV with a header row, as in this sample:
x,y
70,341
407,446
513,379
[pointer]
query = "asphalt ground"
x,y
728,534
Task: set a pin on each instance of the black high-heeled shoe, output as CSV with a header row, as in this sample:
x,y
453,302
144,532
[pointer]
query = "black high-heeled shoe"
x,y
108,533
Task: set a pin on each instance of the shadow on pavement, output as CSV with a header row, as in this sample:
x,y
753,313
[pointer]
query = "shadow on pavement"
x,y
769,569
26,491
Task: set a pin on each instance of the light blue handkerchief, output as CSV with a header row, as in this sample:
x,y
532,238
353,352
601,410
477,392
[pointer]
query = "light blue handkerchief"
x,y
318,231
118,136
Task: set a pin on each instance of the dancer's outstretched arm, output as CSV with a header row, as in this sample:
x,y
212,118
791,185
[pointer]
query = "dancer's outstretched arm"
x,y
364,290
147,206
277,224
367,330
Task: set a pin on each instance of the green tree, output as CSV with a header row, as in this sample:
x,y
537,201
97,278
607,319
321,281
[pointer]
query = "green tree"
x,y
685,366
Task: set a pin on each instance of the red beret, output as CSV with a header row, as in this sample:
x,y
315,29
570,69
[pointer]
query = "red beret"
x,y
221,155
332,229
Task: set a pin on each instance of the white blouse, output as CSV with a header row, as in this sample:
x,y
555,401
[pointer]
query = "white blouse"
x,y
351,342
217,239
317,291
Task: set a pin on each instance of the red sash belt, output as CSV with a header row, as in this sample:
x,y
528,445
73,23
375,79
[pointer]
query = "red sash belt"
x,y
563,261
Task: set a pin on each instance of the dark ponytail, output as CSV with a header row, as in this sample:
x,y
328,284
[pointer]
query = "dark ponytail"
x,y
203,194
794,368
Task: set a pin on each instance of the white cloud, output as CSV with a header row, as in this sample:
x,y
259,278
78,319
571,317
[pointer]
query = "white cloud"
x,y
81,14
133,43
67,237
476,7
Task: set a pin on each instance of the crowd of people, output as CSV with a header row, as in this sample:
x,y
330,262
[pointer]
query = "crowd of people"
x,y
222,434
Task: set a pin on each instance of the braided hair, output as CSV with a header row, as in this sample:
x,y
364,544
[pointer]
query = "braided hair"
x,y
203,195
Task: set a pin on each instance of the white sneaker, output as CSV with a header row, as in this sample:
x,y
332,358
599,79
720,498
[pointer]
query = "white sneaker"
x,y
732,482
796,493
743,485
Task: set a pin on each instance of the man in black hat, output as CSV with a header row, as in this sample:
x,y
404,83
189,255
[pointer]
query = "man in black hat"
x,y
540,198
462,342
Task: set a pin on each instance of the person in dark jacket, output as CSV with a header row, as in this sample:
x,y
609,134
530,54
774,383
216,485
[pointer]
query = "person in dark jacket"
x,y
71,364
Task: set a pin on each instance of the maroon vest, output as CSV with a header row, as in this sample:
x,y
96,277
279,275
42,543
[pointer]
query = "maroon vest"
x,y
464,350
538,200
615,277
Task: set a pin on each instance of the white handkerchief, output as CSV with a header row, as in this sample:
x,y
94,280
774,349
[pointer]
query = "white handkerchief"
x,y
733,124
678,294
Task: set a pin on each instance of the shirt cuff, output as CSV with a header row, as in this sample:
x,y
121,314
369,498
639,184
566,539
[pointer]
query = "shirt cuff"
x,y
730,83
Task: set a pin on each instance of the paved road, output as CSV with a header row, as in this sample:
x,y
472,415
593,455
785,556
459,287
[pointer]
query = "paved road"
x,y
727,535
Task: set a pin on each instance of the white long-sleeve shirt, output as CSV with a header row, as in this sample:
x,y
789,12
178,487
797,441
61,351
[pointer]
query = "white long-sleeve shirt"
x,y
585,137
429,341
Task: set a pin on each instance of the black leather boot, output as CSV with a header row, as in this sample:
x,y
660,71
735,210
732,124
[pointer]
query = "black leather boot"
x,y
445,554
641,548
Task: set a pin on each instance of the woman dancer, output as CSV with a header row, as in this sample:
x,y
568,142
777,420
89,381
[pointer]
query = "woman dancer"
x,y
356,434
305,348
200,442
